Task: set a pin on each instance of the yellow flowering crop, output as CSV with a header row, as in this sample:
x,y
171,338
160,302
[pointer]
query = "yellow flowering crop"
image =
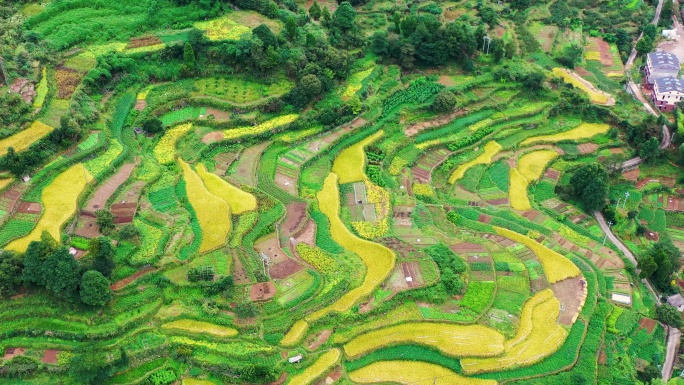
x,y
349,164
583,131
530,168
41,90
556,267
199,327
166,148
295,334
592,55
424,189
196,381
412,373
59,199
452,340
213,213
541,339
354,83
595,97
319,368
517,190
222,29
490,149
24,139
238,200
239,132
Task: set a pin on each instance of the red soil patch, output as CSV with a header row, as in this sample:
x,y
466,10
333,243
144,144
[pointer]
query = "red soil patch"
x,y
50,356
484,218
24,88
552,174
631,175
239,274
140,105
13,352
262,291
295,218
498,202
648,324
570,293
219,116
468,247
307,234
29,208
127,281
146,41
331,377
87,227
674,204
446,81
587,148
411,272
284,269
604,50
212,137
581,71
107,189
124,212
602,357
320,339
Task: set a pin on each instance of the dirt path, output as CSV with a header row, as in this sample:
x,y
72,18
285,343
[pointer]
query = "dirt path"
x,y
586,83
247,163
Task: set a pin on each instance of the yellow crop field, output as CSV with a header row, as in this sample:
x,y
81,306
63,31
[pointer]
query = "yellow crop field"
x,y
517,191
166,148
556,267
583,131
200,327
295,334
452,340
592,55
24,139
213,213
595,97
196,381
222,29
354,83
349,164
533,164
525,326
490,149
378,259
239,132
542,340
41,90
60,199
319,368
5,182
238,200
412,373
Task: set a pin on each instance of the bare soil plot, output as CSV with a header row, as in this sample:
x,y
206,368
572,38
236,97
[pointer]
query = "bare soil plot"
x,y
24,88
422,172
307,234
140,105
13,352
674,204
467,247
212,137
631,175
604,50
571,293
143,41
29,208
50,356
271,247
219,115
414,129
412,274
239,275
223,162
295,218
320,339
118,285
546,37
87,227
400,247
648,324
402,216
331,377
284,269
262,291
552,174
107,189
247,163
124,212
587,148
446,81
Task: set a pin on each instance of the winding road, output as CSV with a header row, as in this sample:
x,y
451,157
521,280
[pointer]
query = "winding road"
x,y
673,334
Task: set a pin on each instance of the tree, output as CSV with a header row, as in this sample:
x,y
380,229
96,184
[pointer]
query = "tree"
x,y
645,45
310,85
649,373
89,366
669,315
489,15
571,56
659,263
534,81
291,28
129,231
444,101
63,273
325,15
10,273
34,271
104,220
344,17
650,150
153,126
520,4
315,11
266,35
95,289
379,43
103,255
188,57
590,185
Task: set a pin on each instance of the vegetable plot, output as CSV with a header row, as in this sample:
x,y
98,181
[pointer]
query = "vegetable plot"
x,y
349,165
490,149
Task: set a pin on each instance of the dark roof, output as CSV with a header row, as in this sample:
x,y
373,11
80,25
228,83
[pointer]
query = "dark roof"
x,y
663,59
670,84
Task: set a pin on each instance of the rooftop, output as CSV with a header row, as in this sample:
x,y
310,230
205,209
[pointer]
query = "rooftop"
x,y
670,84
663,58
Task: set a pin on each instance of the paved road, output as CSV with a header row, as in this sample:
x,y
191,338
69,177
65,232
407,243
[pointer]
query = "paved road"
x,y
673,334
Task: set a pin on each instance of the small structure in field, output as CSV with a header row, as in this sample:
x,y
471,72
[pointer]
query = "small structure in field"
x,y
296,359
677,301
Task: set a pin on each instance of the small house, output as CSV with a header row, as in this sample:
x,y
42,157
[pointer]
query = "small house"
x,y
677,301
667,92
295,360
660,65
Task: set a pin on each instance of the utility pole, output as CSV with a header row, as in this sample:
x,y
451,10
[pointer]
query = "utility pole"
x,y
486,40
625,202
610,223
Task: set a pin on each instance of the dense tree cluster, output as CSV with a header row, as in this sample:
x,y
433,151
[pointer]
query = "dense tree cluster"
x,y
660,263
589,184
